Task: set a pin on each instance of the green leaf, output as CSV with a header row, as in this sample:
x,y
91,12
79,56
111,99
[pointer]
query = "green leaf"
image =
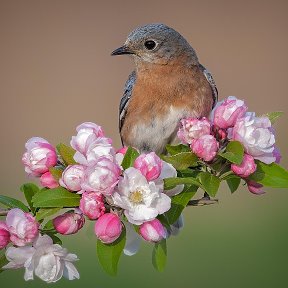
x,y
56,173
181,161
188,173
13,203
179,202
49,225
67,153
234,152
3,262
57,197
233,183
170,183
46,212
159,255
29,190
129,158
164,220
109,254
56,240
210,183
273,116
272,175
172,150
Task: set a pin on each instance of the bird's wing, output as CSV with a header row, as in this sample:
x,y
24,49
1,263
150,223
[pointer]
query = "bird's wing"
x,y
212,83
125,99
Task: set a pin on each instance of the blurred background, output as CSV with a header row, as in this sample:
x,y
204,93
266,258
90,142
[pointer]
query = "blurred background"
x,y
56,72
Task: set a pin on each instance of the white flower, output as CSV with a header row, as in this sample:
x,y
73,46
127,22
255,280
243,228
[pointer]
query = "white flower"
x,y
256,135
168,171
47,260
142,201
133,240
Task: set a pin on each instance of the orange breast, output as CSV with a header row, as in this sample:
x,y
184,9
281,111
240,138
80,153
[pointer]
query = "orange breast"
x,y
159,88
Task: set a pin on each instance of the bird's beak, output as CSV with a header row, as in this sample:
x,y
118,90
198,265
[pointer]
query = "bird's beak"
x,y
122,50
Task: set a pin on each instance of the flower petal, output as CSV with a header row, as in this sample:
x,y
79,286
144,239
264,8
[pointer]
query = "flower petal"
x,y
70,272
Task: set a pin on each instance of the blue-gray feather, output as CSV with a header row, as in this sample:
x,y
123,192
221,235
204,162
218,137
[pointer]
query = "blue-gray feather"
x,y
125,99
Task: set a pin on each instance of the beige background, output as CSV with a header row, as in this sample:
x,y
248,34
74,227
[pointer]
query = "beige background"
x,y
56,72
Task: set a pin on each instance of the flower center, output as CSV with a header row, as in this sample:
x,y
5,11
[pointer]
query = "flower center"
x,y
136,197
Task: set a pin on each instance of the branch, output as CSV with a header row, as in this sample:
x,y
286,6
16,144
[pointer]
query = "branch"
x,y
3,212
202,202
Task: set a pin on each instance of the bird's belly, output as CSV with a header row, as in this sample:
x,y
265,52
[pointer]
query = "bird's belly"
x,y
153,135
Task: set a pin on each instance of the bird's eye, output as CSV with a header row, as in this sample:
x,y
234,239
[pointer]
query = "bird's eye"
x,y
150,44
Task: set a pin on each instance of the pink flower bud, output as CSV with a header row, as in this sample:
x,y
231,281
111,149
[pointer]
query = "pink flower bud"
x,y
22,226
153,231
102,176
122,150
246,168
150,165
4,235
68,223
226,114
72,177
205,147
108,228
255,187
193,128
47,180
92,205
39,157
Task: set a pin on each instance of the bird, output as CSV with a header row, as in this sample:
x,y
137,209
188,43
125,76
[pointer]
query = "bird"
x,y
168,84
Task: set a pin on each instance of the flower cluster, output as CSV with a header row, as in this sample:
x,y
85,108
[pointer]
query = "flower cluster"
x,y
131,196
115,197
230,121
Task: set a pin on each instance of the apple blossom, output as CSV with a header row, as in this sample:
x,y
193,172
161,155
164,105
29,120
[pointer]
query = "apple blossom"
x,y
46,260
72,177
47,180
87,133
141,200
205,147
102,176
68,223
92,205
193,128
22,226
120,153
277,155
228,111
4,235
101,146
256,135
168,171
150,165
108,228
39,157
153,231
133,240
246,168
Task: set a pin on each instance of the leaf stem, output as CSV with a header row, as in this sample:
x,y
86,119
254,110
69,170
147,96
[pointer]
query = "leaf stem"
x,y
222,177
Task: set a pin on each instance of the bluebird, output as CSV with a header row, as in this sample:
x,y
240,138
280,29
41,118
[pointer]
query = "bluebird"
x,y
168,84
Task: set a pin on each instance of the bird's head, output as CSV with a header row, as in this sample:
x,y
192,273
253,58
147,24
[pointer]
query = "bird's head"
x,y
157,44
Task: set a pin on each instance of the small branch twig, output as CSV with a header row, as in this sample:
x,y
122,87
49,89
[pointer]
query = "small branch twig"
x,y
202,202
3,212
